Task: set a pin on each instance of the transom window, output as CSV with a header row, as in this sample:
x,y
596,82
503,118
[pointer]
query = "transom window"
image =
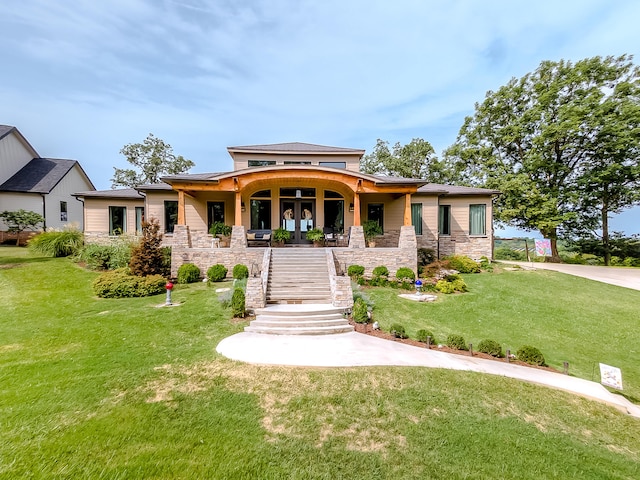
x,y
298,192
261,163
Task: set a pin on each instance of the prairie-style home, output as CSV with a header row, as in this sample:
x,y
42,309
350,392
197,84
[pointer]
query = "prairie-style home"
x,y
298,187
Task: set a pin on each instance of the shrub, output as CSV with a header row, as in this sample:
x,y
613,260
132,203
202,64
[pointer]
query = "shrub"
x,y
357,293
426,256
238,303
240,271
355,270
147,257
217,272
422,335
120,284
106,257
445,287
380,271
432,269
404,273
506,253
459,285
398,331
530,355
490,347
188,273
57,243
464,264
220,228
456,342
359,312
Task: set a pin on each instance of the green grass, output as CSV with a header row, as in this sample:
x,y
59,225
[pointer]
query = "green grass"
x,y
117,388
568,318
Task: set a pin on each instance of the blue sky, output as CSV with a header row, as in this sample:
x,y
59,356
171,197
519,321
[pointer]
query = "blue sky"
x,y
81,79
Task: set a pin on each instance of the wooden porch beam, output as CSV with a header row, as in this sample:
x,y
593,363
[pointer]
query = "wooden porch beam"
x,y
407,210
356,210
182,217
238,210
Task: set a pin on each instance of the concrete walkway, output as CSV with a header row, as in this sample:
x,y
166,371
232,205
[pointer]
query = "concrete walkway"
x,y
620,276
356,349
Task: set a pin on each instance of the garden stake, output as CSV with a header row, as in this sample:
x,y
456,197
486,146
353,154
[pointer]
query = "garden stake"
x,y
428,341
508,355
471,349
566,368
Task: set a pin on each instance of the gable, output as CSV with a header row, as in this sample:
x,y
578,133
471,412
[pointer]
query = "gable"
x,y
15,152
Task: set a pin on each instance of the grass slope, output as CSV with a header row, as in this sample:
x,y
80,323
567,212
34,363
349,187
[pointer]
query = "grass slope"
x,y
93,388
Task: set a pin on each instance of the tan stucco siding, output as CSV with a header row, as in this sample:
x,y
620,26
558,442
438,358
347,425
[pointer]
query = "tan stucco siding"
x,y
155,206
241,160
13,156
429,235
460,242
96,214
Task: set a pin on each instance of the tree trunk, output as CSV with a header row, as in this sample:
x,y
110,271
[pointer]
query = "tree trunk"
x,y
552,234
606,244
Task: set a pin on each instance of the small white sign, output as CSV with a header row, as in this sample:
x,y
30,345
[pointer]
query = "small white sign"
x,y
610,376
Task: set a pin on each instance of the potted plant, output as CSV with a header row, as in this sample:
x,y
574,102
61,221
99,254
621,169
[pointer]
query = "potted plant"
x,y
222,231
316,236
280,235
371,228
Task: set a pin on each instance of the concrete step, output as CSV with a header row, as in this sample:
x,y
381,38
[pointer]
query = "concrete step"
x,y
298,323
300,330
300,319
317,309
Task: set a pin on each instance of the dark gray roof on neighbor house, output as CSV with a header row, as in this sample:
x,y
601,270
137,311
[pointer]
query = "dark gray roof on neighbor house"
x,y
293,147
40,175
130,193
455,190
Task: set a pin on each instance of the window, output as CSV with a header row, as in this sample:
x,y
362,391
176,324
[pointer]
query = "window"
x,y
375,212
139,219
416,217
444,220
260,214
170,215
477,219
215,213
293,162
333,164
298,192
261,163
117,217
63,211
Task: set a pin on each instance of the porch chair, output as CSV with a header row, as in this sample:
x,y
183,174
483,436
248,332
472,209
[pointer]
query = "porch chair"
x,y
330,238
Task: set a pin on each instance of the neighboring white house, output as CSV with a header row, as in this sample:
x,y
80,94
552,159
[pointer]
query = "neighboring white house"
x,y
41,185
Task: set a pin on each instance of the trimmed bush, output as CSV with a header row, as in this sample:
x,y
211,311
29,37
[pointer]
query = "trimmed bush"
x,y
422,335
121,284
105,257
452,284
217,272
57,244
355,270
464,264
188,273
445,287
359,312
380,271
238,303
456,342
240,271
530,355
398,331
490,347
405,273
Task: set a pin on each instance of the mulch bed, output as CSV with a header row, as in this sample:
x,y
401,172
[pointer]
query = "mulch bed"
x,y
368,330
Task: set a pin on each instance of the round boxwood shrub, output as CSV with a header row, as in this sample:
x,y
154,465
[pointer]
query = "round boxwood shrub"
x,y
463,264
405,273
121,284
380,271
359,311
217,272
355,270
530,355
445,287
240,271
398,331
188,273
238,303
422,335
456,342
490,347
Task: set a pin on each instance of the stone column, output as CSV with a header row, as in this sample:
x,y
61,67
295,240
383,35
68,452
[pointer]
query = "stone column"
x,y
238,237
254,295
356,237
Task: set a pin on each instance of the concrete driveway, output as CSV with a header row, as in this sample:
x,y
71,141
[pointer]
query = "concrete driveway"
x,y
620,276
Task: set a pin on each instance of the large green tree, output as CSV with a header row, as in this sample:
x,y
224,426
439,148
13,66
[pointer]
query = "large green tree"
x,y
546,139
152,159
416,159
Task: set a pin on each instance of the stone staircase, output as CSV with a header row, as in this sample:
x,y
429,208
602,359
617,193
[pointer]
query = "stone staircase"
x,y
299,296
301,319
298,275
